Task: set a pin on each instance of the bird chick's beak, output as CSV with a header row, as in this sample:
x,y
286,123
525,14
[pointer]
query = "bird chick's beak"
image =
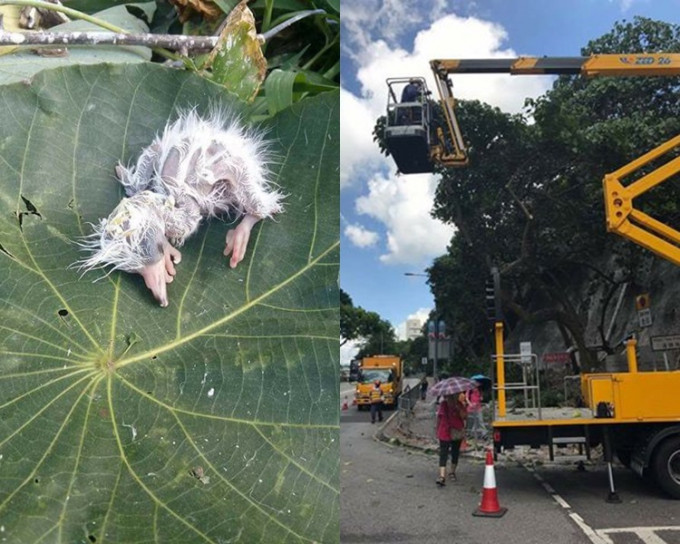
x,y
155,278
158,275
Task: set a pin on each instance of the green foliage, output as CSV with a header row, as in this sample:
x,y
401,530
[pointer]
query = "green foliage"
x,y
211,420
376,335
412,353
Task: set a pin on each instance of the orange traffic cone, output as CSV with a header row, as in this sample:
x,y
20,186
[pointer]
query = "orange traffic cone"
x,y
344,405
489,506
463,445
354,401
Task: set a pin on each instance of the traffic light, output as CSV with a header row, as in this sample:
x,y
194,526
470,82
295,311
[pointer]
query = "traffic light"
x,y
490,300
492,296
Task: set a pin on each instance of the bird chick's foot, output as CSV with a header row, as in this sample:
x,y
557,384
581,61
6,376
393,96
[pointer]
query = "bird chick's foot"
x,y
172,257
158,275
237,240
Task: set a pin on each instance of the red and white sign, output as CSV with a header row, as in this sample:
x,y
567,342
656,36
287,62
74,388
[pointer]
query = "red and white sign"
x,y
556,357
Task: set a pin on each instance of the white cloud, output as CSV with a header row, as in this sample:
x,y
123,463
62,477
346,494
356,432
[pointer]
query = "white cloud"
x,y
403,205
348,351
624,5
386,19
360,236
357,149
449,37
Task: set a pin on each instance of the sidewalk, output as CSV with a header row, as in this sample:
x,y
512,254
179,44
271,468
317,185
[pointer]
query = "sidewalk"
x,y
417,430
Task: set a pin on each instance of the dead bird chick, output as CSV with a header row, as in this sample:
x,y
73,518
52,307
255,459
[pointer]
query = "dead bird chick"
x,y
198,167
214,164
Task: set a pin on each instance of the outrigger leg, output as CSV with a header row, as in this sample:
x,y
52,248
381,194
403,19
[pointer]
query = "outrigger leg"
x,y
613,496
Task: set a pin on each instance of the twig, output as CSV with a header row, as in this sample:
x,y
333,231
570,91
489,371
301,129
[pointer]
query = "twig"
x,y
175,42
75,14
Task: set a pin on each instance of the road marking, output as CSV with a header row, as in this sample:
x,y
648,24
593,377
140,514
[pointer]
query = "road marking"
x,y
589,531
580,522
601,536
645,534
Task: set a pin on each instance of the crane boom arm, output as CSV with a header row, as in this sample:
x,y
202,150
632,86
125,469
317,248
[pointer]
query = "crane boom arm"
x,y
653,64
622,218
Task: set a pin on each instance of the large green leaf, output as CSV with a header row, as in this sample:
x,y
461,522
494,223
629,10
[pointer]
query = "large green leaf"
x,y
212,420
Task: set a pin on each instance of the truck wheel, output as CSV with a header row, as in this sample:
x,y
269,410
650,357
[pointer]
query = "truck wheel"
x,y
666,465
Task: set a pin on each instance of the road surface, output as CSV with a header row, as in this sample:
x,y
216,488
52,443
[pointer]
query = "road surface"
x,y
388,495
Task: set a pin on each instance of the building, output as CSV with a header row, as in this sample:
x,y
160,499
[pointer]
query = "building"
x,y
413,328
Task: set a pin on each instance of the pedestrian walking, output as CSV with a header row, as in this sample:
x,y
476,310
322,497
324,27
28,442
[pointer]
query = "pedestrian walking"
x,y
451,416
475,423
376,402
423,388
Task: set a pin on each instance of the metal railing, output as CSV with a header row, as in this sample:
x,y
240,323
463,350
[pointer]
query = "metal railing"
x,y
530,384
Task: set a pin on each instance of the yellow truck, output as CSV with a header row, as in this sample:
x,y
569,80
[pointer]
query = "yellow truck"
x,y
386,368
634,415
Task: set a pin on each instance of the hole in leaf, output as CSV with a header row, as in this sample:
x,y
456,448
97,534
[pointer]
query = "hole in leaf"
x,y
29,206
63,312
92,538
30,210
3,250
154,357
36,480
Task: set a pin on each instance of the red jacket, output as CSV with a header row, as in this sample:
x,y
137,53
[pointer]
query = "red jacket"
x,y
450,416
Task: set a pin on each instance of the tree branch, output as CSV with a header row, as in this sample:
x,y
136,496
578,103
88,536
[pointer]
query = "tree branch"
x,y
176,42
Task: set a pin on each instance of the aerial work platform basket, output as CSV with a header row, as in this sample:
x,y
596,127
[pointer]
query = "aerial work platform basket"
x,y
407,129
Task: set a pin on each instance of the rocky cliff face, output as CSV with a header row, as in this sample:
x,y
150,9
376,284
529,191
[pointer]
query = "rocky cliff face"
x,y
656,277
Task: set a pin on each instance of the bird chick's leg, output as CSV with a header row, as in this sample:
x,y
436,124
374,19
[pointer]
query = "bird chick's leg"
x,y
237,239
158,275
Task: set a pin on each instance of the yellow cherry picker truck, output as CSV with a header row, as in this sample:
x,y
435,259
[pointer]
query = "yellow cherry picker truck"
x,y
643,430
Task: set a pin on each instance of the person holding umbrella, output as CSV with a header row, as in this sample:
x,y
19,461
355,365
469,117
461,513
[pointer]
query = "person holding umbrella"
x,y
451,417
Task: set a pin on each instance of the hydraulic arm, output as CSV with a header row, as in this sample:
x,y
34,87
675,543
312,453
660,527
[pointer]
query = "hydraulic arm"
x,y
622,217
656,64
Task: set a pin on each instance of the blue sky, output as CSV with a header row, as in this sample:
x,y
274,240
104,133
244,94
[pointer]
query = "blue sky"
x,y
385,223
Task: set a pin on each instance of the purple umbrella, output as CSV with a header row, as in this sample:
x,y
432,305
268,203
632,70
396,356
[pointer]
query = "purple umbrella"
x,y
451,386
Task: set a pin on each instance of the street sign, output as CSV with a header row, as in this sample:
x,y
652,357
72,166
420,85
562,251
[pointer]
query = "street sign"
x,y
525,352
556,357
665,343
442,348
645,317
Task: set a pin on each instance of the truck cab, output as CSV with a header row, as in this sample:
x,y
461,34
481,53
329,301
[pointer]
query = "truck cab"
x,y
385,368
